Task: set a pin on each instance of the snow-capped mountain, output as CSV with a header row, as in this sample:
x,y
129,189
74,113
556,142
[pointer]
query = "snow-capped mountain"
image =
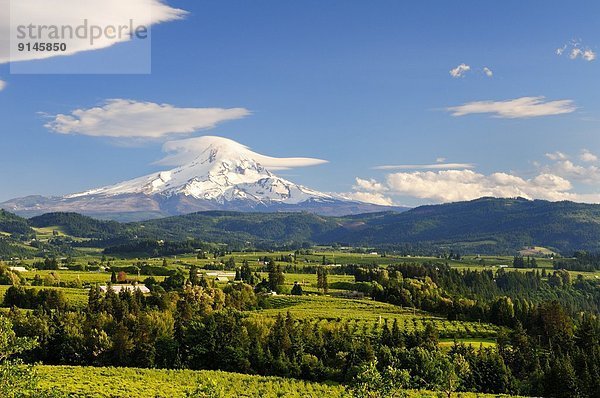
x,y
224,171
221,175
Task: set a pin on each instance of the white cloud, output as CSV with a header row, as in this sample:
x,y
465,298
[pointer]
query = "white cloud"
x,y
458,185
369,191
525,107
460,70
369,197
440,160
436,166
488,72
577,50
184,151
121,118
554,181
370,185
2,85
73,13
566,168
588,55
556,156
588,156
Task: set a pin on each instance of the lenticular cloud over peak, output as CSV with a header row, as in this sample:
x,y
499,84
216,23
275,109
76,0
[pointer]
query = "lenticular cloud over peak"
x,y
187,150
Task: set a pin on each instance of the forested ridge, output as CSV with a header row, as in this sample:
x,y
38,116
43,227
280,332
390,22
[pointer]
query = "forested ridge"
x,y
486,225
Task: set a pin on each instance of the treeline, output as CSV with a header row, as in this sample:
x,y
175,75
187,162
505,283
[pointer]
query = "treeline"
x,y
155,248
477,295
582,261
554,347
45,299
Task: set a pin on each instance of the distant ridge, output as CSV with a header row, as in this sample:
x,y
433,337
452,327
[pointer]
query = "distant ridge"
x,y
486,225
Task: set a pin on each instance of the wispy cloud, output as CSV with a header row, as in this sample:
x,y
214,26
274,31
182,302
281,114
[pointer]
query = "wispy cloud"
x,y
564,166
488,72
460,70
575,49
129,119
436,166
556,156
2,85
375,198
73,13
525,107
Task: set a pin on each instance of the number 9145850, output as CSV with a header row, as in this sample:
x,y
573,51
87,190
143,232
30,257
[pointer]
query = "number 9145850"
x,y
54,47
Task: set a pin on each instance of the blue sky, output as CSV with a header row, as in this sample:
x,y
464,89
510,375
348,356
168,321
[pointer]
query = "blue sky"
x,y
361,84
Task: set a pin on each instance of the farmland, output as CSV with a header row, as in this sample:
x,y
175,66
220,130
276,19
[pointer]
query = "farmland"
x,y
90,382
369,316
420,311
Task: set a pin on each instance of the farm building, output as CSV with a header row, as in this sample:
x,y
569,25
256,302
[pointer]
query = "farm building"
x,y
18,269
131,288
220,274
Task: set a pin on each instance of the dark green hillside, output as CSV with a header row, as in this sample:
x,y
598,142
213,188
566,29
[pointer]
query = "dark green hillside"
x,y
486,224
77,225
13,224
230,227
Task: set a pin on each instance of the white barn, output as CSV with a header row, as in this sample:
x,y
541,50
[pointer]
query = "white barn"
x,y
118,288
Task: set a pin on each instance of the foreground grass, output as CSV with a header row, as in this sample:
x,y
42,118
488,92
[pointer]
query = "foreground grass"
x,y
90,382
143,383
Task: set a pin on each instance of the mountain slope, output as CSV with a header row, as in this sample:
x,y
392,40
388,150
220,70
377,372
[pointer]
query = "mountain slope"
x,y
224,175
486,225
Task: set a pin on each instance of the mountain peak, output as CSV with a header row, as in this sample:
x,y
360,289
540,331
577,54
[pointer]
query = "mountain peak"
x,y
208,173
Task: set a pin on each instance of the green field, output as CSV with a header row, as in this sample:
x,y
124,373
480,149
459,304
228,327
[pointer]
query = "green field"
x,y
368,314
91,382
85,277
77,298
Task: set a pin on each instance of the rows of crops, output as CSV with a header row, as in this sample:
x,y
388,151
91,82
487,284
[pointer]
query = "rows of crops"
x,y
366,316
90,382
77,298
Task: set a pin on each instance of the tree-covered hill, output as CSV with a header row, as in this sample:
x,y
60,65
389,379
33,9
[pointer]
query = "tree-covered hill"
x,y
236,227
78,225
13,224
486,225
